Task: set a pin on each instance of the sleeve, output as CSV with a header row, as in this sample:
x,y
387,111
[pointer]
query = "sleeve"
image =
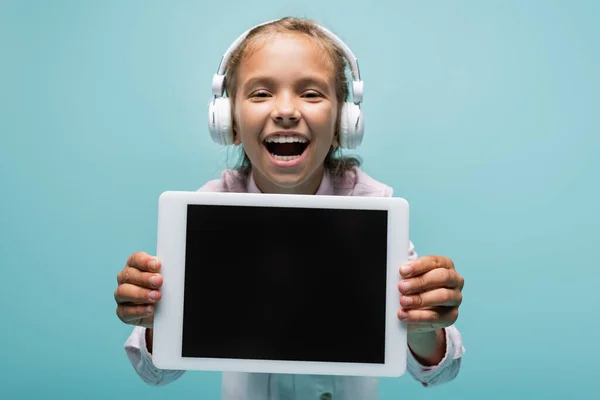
x,y
141,360
449,367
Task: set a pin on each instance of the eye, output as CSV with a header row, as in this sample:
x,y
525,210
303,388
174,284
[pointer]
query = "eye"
x,y
260,94
312,94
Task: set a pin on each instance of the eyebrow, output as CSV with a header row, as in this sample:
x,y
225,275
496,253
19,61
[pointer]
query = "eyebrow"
x,y
256,80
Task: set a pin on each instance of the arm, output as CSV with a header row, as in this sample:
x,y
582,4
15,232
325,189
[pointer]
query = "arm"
x,y
137,294
428,348
137,350
434,357
435,373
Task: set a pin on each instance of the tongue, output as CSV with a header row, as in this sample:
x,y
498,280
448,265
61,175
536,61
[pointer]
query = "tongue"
x,y
286,149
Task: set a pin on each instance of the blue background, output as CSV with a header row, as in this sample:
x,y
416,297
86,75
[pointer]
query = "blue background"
x,y
483,114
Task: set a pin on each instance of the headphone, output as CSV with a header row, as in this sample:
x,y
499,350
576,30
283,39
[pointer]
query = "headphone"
x,y
351,120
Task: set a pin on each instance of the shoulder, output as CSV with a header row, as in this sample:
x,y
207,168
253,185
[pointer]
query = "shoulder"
x,y
230,181
356,182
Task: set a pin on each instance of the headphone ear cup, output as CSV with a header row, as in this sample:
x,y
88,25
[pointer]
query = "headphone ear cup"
x,y
352,126
219,121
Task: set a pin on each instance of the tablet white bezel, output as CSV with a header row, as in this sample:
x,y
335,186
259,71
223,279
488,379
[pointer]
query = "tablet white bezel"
x,y
168,320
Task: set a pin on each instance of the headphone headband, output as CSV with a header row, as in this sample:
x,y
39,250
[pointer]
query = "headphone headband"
x,y
218,86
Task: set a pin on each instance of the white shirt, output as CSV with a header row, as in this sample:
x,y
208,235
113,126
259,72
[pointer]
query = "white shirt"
x,y
259,386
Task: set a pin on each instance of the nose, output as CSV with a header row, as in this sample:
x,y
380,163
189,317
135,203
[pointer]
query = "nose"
x,y
285,110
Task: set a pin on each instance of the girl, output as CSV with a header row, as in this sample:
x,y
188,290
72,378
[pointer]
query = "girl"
x,y
287,90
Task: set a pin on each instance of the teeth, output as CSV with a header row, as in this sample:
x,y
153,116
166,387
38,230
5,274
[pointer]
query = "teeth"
x,y
285,139
285,158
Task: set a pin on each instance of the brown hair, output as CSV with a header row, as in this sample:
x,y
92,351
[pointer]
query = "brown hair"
x,y
334,163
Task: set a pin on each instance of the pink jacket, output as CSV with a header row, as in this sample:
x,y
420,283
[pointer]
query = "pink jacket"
x,y
354,183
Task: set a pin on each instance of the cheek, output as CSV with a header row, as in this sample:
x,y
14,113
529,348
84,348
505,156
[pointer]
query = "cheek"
x,y
249,116
249,121
240,121
328,123
322,118
236,115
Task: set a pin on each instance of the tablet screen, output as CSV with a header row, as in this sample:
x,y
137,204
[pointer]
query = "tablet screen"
x,y
283,283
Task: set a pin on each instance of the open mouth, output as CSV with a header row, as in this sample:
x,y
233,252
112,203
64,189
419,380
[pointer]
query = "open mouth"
x,y
286,148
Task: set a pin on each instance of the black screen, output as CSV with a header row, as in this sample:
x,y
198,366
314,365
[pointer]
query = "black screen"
x,y
299,284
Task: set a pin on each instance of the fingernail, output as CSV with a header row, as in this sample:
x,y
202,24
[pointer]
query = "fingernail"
x,y
154,280
406,269
153,295
153,263
404,286
149,309
403,314
407,300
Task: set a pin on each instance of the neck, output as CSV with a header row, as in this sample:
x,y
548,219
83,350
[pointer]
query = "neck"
x,y
308,186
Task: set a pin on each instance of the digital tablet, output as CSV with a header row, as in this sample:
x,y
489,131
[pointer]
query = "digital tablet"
x,y
270,283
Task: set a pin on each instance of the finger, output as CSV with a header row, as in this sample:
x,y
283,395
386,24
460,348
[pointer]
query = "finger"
x,y
438,317
433,298
139,278
438,278
144,262
132,312
425,264
128,293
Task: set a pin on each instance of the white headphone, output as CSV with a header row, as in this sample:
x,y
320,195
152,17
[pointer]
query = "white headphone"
x,y
351,120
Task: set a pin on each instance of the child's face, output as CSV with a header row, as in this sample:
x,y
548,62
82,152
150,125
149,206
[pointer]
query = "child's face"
x,y
285,113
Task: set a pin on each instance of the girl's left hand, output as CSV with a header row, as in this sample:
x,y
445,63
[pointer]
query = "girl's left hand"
x,y
432,293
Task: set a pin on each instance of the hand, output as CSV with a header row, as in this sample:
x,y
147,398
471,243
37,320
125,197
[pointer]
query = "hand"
x,y
432,293
138,290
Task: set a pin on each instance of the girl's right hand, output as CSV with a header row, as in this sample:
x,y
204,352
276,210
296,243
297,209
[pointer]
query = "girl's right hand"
x,y
138,290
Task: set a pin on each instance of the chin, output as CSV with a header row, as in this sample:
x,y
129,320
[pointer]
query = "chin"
x,y
299,181
287,180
